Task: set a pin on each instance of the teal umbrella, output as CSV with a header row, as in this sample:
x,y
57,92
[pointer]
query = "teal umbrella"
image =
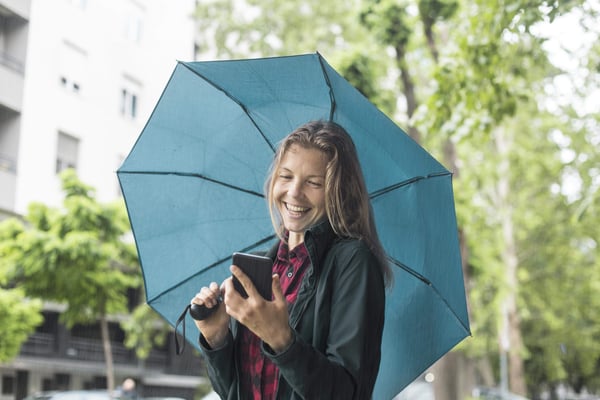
x,y
193,185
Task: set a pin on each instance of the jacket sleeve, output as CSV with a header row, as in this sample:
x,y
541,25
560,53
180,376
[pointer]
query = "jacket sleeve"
x,y
348,366
220,365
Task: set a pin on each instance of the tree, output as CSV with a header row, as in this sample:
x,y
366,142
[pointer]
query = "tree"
x,y
74,255
498,70
473,77
269,27
19,314
562,271
145,329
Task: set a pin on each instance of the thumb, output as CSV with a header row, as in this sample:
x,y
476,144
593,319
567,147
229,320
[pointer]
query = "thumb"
x,y
276,288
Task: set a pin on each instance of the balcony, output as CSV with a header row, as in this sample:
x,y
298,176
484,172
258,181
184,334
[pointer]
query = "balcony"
x,y
11,82
8,182
16,7
49,346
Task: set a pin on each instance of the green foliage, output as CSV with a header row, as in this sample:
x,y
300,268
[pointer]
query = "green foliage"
x,y
19,316
74,255
367,72
389,21
432,11
486,97
145,330
273,27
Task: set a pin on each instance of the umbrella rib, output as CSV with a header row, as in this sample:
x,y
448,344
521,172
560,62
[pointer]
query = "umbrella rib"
x,y
395,186
411,271
213,265
195,175
430,284
235,100
328,82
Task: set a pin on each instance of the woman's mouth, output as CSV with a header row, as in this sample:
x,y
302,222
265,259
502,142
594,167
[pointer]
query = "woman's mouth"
x,y
296,210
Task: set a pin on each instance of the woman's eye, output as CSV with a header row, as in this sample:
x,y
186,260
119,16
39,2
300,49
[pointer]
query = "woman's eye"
x,y
315,183
285,177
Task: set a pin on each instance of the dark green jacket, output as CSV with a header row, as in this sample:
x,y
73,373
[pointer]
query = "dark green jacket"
x,y
337,322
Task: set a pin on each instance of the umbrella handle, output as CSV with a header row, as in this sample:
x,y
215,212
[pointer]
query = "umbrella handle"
x,y
200,313
197,312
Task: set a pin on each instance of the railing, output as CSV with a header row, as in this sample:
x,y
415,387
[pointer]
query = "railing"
x,y
11,62
39,344
46,345
91,350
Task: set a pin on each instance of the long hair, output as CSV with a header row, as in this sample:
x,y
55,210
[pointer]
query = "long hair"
x,y
346,198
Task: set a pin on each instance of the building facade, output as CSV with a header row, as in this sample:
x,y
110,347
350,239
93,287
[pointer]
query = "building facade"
x,y
78,80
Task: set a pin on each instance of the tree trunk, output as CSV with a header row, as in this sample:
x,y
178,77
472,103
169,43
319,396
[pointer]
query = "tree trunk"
x,y
108,356
485,373
454,377
513,342
428,29
408,88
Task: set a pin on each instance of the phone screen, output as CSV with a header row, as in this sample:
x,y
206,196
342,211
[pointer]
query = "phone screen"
x,y
259,269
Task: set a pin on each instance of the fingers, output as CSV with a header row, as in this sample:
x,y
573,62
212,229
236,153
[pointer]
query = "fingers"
x,y
208,296
276,289
244,280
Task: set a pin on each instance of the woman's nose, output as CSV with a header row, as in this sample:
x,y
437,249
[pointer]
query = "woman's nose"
x,y
295,188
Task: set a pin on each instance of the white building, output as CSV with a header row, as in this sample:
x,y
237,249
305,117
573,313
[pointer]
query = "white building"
x,y
78,80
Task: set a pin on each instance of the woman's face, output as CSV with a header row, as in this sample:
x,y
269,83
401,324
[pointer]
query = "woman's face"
x,y
299,190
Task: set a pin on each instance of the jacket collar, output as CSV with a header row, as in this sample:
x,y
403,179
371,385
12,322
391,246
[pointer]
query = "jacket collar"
x,y
317,239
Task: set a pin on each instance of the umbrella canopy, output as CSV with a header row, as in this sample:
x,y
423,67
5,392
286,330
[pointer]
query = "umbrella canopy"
x,y
193,185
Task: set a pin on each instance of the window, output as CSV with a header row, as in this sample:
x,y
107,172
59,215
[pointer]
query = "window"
x,y
128,103
73,66
62,381
133,20
69,85
130,87
133,28
8,385
66,152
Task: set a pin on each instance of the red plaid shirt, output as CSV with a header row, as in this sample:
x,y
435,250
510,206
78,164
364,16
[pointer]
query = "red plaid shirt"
x,y
259,376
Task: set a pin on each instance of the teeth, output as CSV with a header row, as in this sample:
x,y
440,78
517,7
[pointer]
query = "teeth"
x,y
295,208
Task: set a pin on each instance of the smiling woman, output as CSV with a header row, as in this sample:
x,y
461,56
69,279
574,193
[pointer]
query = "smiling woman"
x,y
320,335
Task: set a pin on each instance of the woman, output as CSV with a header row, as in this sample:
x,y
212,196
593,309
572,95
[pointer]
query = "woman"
x,y
320,336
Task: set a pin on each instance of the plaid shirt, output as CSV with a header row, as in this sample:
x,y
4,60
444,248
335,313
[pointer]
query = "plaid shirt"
x,y
259,376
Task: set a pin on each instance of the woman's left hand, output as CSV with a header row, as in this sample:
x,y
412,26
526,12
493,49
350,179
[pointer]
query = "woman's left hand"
x,y
268,320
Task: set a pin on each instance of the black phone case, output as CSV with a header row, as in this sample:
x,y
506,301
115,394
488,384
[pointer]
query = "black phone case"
x,y
259,270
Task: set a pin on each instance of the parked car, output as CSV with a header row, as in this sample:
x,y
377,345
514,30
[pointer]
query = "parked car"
x,y
485,393
417,390
90,395
73,395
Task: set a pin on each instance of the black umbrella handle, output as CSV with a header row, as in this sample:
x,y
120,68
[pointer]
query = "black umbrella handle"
x,y
197,312
200,313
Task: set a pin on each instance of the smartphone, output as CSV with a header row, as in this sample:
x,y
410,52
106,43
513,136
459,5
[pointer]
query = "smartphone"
x,y
259,269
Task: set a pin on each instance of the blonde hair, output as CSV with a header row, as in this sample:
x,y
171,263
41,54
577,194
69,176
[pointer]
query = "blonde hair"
x,y
346,198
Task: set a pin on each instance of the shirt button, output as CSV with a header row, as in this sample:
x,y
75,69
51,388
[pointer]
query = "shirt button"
x,y
289,274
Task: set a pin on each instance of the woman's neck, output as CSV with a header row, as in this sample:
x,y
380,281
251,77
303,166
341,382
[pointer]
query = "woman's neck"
x,y
295,239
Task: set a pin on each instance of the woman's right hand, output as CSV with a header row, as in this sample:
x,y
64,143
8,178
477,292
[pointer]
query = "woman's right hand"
x,y
216,327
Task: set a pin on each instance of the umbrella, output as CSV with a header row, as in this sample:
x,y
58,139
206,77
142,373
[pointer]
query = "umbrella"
x,y
193,184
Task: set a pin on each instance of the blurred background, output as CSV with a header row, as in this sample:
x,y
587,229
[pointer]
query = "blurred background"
x,y
505,93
